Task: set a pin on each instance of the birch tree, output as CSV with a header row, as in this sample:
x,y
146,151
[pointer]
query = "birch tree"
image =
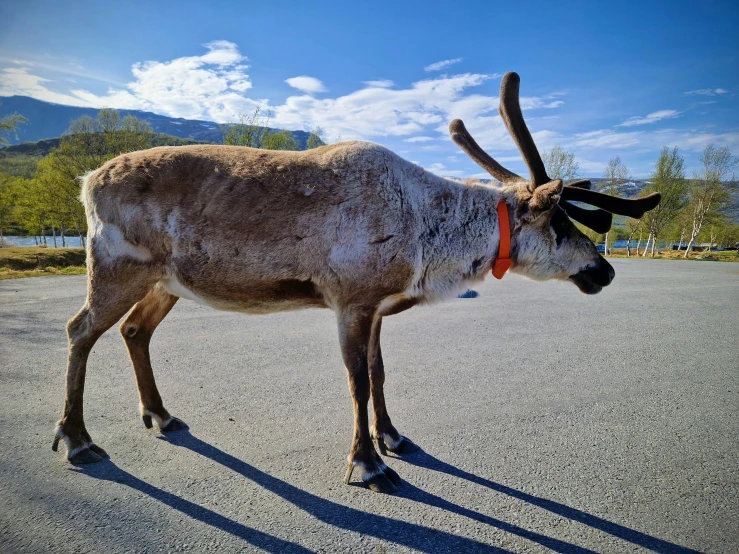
x,y
8,201
709,194
615,174
560,164
669,180
9,124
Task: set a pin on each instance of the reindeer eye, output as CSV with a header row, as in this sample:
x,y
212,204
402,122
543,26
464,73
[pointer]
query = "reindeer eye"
x,y
561,225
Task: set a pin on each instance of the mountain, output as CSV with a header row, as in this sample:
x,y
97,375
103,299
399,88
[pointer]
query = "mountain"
x,y
22,159
47,120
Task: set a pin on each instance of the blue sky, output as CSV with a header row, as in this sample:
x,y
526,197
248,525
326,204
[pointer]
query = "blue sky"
x,y
600,79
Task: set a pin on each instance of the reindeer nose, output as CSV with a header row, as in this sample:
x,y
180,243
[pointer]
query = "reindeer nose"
x,y
603,273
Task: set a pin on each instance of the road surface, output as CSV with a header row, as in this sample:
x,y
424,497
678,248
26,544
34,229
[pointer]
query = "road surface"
x,y
549,421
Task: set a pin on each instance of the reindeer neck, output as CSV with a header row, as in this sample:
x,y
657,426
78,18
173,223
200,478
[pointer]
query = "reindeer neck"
x,y
459,238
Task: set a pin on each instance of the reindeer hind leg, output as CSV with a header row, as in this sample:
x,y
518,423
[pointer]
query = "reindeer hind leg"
x,y
137,330
111,292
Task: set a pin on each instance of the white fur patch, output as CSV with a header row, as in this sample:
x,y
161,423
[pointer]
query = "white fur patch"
x,y
109,243
392,444
366,474
160,422
173,286
71,452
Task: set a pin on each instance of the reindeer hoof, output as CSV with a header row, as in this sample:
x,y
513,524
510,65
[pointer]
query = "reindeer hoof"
x,y
147,421
381,483
86,456
406,446
175,424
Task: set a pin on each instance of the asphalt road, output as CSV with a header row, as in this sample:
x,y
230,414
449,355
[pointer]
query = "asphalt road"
x,y
549,421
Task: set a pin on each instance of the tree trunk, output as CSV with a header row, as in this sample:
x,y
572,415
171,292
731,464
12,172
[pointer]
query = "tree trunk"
x,y
646,247
605,246
654,242
53,233
693,235
61,232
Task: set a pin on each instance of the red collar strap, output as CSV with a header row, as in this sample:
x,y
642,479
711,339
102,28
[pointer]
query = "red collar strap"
x,y
503,261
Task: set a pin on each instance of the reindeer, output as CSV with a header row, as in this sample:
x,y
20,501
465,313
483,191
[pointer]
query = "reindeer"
x,y
351,227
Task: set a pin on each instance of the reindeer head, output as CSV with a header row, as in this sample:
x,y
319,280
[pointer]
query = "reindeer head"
x,y
545,242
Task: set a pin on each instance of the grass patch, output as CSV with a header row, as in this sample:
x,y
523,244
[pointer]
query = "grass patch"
x,y
727,256
6,273
35,261
36,257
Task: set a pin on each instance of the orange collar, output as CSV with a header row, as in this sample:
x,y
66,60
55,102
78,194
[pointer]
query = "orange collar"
x,y
503,261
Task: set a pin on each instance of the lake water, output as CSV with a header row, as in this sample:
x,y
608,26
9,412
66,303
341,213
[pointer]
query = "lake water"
x,y
71,242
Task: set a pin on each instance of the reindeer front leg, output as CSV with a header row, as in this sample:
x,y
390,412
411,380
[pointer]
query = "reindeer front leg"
x,y
355,326
383,432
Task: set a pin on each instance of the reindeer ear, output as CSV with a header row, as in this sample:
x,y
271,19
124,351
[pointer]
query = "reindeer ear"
x,y
546,196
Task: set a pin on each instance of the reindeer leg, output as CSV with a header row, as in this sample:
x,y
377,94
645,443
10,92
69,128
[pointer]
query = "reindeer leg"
x,y
110,294
137,330
383,432
355,327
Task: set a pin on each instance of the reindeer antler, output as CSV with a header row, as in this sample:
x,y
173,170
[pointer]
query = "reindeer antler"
x,y
631,207
598,220
469,146
510,111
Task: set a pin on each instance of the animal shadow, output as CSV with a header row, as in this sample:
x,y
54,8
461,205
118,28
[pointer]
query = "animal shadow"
x,y
425,460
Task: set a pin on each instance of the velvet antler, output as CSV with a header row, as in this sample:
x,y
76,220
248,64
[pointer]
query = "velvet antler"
x,y
469,146
510,111
631,207
599,220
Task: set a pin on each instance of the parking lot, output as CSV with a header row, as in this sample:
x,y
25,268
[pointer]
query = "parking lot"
x,y
548,420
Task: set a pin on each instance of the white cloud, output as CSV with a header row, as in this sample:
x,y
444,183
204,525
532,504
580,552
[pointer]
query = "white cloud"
x,y
641,141
380,83
210,86
306,84
214,86
18,81
650,118
378,112
419,139
438,66
441,169
706,92
606,138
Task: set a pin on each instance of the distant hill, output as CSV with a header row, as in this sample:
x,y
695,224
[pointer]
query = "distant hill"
x,y
47,121
22,159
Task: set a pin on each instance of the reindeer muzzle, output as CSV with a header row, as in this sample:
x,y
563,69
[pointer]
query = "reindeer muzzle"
x,y
592,279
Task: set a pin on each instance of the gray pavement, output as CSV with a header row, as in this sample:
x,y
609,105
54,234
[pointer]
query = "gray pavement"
x,y
549,421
